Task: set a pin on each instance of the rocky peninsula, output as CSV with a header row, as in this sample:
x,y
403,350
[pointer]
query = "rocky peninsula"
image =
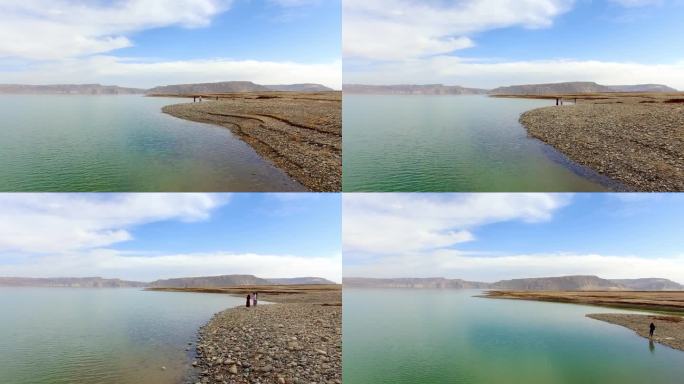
x,y
669,329
635,139
671,301
295,339
299,132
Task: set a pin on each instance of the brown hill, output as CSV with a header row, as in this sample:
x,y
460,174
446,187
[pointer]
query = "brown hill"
x,y
70,282
68,89
411,89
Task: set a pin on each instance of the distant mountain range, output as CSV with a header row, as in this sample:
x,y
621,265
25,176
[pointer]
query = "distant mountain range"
x,y
400,89
642,88
222,87
412,89
209,281
71,282
299,280
178,89
577,87
429,282
232,87
69,89
232,280
183,282
525,89
562,283
307,87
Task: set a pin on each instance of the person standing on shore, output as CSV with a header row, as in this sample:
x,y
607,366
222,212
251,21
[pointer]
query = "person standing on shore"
x,y
254,296
249,300
651,329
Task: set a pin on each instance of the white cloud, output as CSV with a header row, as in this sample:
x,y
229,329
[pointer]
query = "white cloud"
x,y
452,70
412,41
53,235
57,29
418,235
404,29
69,41
405,223
452,264
63,223
111,263
146,74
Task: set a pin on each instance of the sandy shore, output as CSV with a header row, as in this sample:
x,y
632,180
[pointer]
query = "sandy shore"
x,y
669,329
671,301
637,140
300,133
296,340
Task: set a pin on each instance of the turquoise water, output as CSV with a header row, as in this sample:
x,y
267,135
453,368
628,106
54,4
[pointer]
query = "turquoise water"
x,y
447,336
65,335
451,143
122,143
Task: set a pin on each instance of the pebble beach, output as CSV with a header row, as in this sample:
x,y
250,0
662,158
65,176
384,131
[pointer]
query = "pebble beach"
x,y
640,144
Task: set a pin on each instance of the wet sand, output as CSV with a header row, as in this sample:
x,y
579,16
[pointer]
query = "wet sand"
x,y
669,329
300,133
298,339
635,139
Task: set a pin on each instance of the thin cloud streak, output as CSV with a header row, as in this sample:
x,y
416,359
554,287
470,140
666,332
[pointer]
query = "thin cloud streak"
x,y
453,264
115,264
146,74
455,71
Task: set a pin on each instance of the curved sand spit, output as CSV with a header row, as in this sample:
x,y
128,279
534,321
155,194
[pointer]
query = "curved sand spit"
x,y
298,340
669,329
301,134
638,143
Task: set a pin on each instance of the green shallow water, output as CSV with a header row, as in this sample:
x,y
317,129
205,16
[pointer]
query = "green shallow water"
x,y
446,336
107,336
122,143
451,143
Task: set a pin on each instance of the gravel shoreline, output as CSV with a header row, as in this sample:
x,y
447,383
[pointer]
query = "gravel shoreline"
x,y
299,133
639,144
298,340
669,329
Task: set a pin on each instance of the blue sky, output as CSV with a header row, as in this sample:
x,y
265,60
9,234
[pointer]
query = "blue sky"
x,y
498,236
594,223
307,226
593,30
146,42
484,43
257,30
151,236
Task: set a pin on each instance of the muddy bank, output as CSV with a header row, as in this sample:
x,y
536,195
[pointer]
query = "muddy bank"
x,y
635,141
669,329
299,133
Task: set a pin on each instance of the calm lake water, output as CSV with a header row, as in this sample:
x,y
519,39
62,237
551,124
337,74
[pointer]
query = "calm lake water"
x,y
65,335
122,143
451,143
447,336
